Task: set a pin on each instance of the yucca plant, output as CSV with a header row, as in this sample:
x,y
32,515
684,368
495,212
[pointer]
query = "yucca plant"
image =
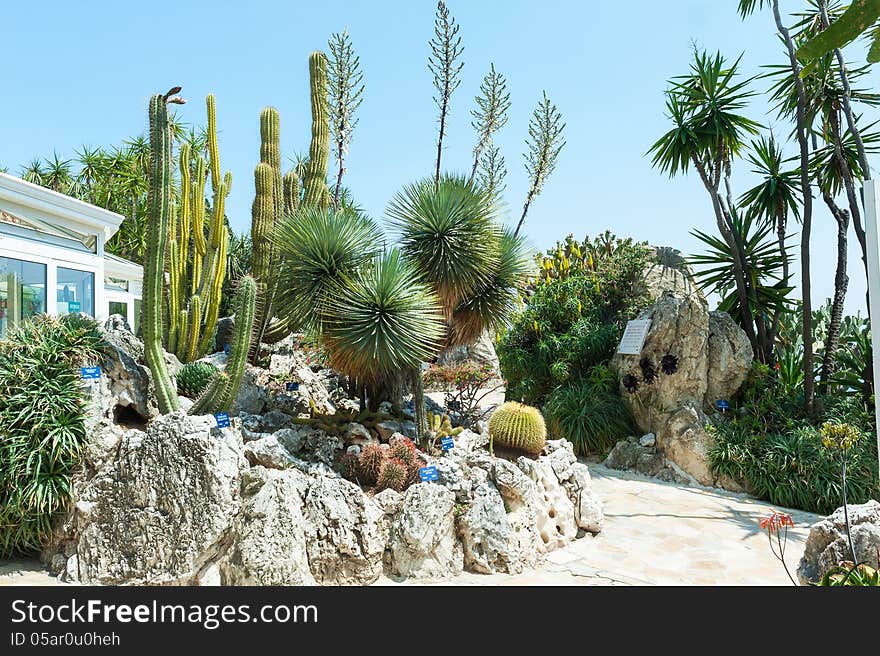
x,y
381,320
451,233
42,426
320,250
589,416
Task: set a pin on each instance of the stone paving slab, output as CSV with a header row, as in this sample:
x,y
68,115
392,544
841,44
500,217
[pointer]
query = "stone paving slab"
x,y
655,533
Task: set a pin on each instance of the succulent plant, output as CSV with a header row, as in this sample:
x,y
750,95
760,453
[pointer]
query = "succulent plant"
x,y
669,364
347,466
630,383
393,475
649,373
370,463
518,426
403,449
194,378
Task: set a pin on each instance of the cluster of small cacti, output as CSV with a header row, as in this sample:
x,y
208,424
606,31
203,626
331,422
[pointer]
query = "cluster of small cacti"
x,y
648,369
518,426
441,425
223,387
196,264
395,466
193,379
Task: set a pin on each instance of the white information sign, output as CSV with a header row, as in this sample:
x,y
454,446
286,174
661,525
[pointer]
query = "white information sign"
x,y
633,339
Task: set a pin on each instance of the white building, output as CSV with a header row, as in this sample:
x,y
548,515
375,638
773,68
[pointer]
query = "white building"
x,y
52,258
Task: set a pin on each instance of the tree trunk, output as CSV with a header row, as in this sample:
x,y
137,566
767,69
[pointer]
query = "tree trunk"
x,y
807,219
841,281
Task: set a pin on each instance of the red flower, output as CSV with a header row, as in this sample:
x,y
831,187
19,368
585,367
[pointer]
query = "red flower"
x,y
776,522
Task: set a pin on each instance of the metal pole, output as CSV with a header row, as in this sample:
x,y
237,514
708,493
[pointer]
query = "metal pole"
x,y
871,195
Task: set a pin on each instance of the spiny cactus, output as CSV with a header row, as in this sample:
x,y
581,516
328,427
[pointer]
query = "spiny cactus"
x,y
291,192
442,425
223,388
194,378
159,201
196,279
518,426
370,462
315,183
403,449
393,475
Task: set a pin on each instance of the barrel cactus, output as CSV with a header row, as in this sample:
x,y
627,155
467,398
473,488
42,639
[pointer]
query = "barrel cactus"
x,y
518,426
194,378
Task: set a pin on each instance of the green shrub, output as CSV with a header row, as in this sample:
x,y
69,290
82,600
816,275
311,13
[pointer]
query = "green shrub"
x,y
772,445
42,426
588,415
571,324
194,378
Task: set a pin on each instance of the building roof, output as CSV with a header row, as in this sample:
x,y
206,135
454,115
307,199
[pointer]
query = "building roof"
x,y
33,201
117,266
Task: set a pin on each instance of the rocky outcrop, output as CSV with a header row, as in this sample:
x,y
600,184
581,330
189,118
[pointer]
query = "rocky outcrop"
x,y
827,545
176,500
480,352
691,358
422,540
160,511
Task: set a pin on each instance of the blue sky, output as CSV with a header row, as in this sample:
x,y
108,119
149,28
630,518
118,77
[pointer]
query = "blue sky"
x,y
81,73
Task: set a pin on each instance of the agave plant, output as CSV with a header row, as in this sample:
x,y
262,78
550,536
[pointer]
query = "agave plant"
x,y
319,251
382,320
450,231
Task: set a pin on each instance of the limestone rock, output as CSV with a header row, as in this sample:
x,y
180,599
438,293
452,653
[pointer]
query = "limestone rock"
x,y
729,357
588,512
649,439
555,513
487,536
356,433
480,352
345,533
161,510
268,539
422,538
225,328
827,546
687,444
116,331
387,429
267,452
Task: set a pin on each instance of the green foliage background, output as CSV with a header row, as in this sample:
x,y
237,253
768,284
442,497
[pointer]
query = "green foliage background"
x,y
42,425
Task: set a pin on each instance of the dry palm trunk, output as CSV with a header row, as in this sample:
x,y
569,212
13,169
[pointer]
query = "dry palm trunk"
x,y
841,282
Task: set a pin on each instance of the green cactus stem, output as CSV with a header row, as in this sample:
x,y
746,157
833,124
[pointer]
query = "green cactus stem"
x,y
159,215
316,193
518,426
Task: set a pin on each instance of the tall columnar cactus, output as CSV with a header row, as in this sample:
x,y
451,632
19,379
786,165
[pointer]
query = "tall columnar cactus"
x,y
196,279
159,203
316,192
223,388
291,192
518,426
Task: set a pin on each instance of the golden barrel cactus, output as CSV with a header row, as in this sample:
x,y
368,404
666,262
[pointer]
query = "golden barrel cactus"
x,y
518,426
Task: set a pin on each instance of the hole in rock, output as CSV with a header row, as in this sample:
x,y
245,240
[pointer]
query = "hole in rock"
x,y
552,513
545,538
125,415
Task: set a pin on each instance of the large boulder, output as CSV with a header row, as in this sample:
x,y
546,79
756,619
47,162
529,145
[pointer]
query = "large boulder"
x,y
423,541
160,511
827,544
345,532
707,358
268,537
480,352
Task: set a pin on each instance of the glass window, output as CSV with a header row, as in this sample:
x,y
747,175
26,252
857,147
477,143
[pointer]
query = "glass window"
x,y
22,291
75,291
118,307
137,317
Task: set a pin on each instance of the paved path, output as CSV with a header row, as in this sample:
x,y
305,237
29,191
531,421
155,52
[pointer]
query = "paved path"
x,y
655,533
665,534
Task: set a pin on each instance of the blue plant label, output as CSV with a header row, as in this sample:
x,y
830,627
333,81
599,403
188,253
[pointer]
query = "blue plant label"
x,y
428,473
90,373
292,387
222,419
722,404
447,443
226,349
74,306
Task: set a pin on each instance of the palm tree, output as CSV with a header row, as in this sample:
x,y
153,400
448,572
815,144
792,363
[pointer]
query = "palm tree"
x,y
58,175
777,195
34,172
91,162
708,133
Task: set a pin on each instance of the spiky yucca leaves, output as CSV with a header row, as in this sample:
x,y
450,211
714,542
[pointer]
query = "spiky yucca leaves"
x,y
370,462
518,426
393,475
450,232
319,250
382,320
493,303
